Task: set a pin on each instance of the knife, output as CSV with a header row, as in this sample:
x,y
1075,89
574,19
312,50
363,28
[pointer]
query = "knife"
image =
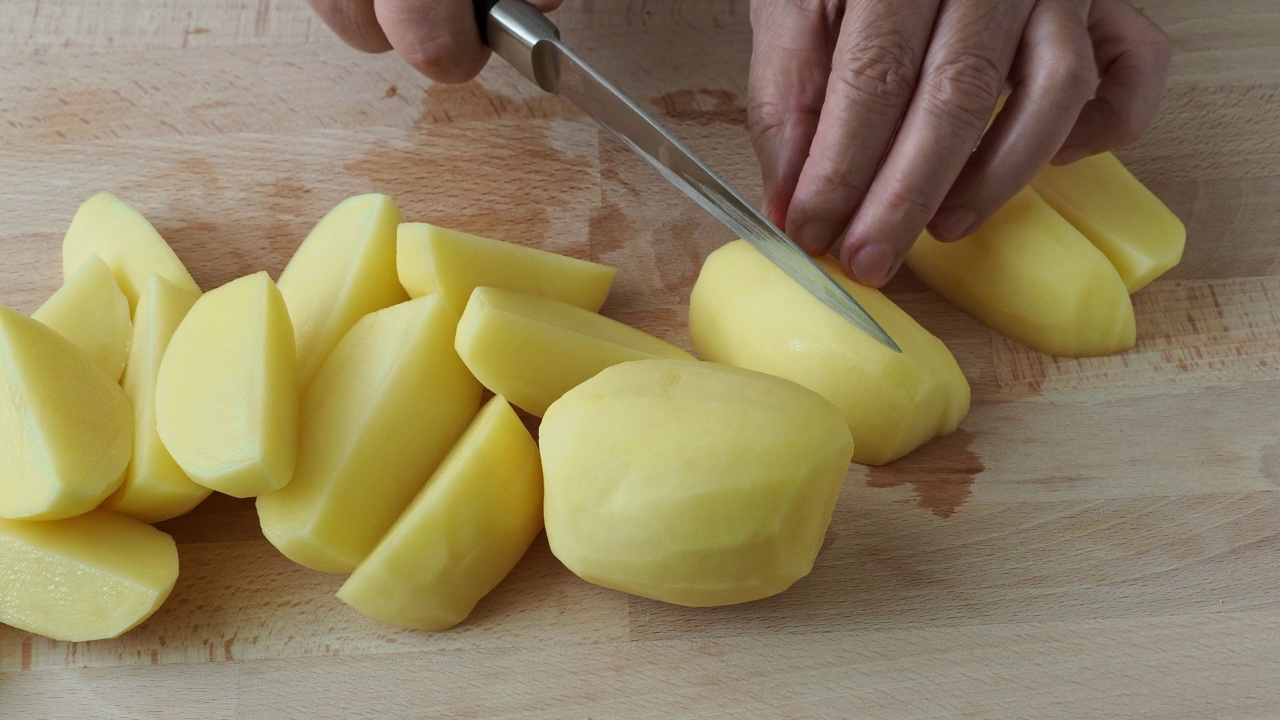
x,y
524,37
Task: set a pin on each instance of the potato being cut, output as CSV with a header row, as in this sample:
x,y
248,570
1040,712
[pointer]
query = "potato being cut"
x,y
463,533
91,311
1141,237
746,312
227,391
532,350
91,577
380,415
1028,274
433,259
66,428
155,488
692,483
344,270
110,228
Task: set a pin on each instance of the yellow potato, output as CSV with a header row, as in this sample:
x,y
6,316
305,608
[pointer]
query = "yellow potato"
x,y
344,270
380,415
1027,273
110,228
155,487
91,577
227,391
433,259
91,311
463,533
1141,237
746,312
66,428
692,483
532,350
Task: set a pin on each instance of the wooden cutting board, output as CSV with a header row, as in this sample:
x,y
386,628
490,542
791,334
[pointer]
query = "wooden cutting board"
x,y
1098,540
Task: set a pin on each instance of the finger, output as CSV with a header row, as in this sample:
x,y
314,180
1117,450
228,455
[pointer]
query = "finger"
x,y
439,38
964,72
1054,75
790,61
354,22
874,71
1133,58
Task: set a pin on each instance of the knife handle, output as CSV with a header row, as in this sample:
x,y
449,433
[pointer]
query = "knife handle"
x,y
515,30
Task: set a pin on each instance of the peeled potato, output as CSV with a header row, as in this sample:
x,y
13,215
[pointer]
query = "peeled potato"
x,y
463,533
746,312
380,415
110,228
344,270
91,577
433,259
91,311
1028,274
227,390
532,350
155,488
66,427
1141,237
692,483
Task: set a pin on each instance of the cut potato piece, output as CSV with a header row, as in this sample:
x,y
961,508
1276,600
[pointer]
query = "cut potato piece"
x,y
1141,237
66,428
692,483
463,533
378,418
91,311
433,259
344,270
110,228
1027,273
532,350
155,488
746,312
91,577
227,392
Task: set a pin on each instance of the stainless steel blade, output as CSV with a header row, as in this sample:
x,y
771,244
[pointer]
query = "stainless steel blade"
x,y
525,38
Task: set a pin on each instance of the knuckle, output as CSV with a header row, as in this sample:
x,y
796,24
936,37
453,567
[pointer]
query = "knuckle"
x,y
881,73
438,58
904,202
962,91
1074,77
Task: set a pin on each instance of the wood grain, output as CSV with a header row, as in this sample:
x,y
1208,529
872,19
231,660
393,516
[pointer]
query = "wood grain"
x,y
1100,539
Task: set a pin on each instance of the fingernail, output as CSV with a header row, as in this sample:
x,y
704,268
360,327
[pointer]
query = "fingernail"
x,y
953,223
1068,155
872,263
815,236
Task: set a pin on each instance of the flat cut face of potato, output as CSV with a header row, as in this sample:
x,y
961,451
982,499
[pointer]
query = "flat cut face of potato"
x,y
66,427
380,415
532,350
227,390
746,312
91,311
463,533
692,483
91,577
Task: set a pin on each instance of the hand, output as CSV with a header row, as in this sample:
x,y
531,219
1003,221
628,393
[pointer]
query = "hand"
x,y
866,113
438,37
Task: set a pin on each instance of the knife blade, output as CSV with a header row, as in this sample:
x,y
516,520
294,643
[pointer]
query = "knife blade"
x,y
524,37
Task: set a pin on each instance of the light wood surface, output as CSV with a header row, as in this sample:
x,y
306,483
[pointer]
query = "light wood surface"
x,y
1099,540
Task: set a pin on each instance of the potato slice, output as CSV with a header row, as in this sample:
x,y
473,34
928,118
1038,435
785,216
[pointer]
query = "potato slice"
x,y
155,488
66,428
692,483
344,270
1027,273
532,350
110,228
227,391
746,312
91,577
1141,237
433,259
91,311
463,533
381,414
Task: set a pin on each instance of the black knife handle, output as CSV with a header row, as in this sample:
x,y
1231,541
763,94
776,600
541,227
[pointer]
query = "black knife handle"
x,y
482,8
